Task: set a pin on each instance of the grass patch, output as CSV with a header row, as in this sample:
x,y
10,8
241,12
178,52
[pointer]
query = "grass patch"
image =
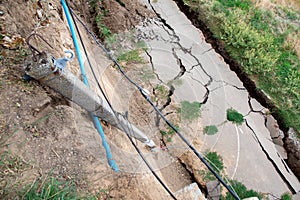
x,y
104,31
11,168
54,189
259,40
132,56
216,162
147,74
241,191
167,134
176,82
111,40
286,196
161,92
216,159
210,130
234,116
190,110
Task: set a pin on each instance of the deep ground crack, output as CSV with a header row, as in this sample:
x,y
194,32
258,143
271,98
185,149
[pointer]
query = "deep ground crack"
x,y
181,66
271,160
176,40
252,109
152,66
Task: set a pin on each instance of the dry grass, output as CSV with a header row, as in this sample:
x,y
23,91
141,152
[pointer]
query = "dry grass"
x,y
272,5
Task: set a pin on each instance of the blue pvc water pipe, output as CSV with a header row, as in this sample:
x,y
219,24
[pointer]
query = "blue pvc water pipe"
x,y
96,120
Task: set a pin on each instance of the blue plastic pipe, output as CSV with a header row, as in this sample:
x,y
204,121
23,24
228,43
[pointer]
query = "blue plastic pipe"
x,y
96,120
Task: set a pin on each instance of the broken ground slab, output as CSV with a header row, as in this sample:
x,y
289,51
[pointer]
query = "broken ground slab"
x,y
243,155
191,191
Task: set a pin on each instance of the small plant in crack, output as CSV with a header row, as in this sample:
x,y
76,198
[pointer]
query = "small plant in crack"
x,y
147,74
104,31
216,162
168,133
234,116
132,56
210,130
111,40
242,191
161,92
141,45
189,110
176,82
286,196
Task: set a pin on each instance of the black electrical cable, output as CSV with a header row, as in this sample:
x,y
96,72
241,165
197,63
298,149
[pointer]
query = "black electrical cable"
x,y
99,86
159,112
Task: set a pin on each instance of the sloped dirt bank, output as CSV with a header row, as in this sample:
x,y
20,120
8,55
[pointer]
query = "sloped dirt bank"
x,y
291,145
49,132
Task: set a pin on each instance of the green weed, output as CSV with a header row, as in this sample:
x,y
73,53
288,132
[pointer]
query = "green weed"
x,y
167,134
104,30
216,159
54,189
234,116
11,166
147,74
161,91
131,56
111,40
241,191
286,196
210,130
216,162
176,82
243,4
141,45
190,111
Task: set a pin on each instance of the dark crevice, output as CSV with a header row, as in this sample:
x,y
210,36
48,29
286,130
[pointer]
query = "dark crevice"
x,y
284,163
177,42
276,137
192,68
255,111
193,179
121,3
206,95
181,66
163,21
204,52
271,160
169,113
166,104
152,66
236,87
169,100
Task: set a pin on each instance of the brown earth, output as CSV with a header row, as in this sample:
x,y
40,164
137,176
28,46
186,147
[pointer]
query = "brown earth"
x,y
45,135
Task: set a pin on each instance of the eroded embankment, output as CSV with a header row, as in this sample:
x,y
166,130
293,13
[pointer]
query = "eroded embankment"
x,y
290,145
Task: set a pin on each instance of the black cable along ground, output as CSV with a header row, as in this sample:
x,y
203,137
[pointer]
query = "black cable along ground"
x,y
128,135
144,94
